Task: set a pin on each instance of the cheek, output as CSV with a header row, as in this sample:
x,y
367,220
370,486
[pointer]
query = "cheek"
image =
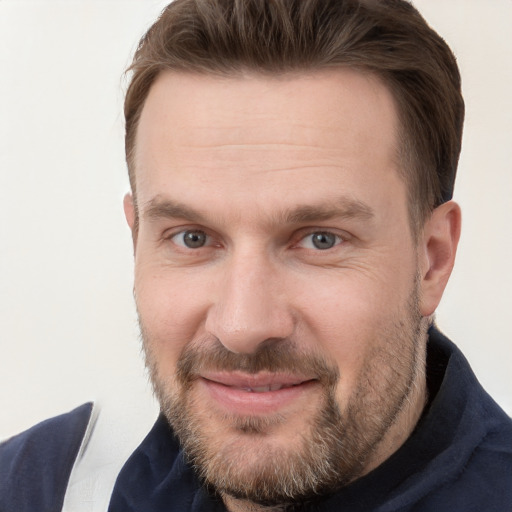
x,y
170,310
345,317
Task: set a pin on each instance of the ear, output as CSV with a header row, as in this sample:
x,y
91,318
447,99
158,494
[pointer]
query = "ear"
x,y
437,252
131,216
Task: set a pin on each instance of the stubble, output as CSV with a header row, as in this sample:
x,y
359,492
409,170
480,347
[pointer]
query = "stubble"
x,y
332,448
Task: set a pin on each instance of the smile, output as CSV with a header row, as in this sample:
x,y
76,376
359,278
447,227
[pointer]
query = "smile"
x,y
267,388
259,394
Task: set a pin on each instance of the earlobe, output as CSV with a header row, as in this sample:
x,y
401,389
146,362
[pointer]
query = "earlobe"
x,y
439,245
130,215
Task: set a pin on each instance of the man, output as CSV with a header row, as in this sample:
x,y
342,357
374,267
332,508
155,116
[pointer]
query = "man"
x,y
291,166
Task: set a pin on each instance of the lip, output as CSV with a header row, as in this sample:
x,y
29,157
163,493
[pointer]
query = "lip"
x,y
260,394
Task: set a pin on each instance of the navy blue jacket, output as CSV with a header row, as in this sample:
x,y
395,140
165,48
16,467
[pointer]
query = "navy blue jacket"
x,y
459,458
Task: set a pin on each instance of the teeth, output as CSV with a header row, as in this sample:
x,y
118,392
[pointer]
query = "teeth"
x,y
265,389
261,389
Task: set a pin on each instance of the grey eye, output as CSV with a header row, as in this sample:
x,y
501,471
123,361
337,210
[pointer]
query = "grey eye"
x,y
323,240
192,239
320,240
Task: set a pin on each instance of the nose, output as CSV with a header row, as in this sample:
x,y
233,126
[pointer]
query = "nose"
x,y
250,305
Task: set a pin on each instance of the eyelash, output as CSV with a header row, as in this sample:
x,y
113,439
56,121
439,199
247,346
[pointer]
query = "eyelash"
x,y
182,233
338,239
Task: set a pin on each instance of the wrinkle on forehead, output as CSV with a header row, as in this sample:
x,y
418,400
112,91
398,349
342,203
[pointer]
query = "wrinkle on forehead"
x,y
208,111
245,139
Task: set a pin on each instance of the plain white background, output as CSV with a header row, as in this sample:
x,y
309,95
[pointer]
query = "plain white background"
x,y
68,325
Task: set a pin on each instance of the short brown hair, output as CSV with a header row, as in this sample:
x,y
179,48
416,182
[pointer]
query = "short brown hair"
x,y
386,37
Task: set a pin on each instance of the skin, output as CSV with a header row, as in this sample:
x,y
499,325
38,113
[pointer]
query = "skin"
x,y
259,164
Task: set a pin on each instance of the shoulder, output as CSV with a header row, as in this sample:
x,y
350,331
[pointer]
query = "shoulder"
x,y
488,473
35,465
473,470
482,482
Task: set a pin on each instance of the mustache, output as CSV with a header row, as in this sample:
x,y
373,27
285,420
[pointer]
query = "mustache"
x,y
272,355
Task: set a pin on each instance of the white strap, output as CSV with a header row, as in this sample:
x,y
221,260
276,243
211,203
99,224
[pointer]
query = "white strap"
x,y
108,442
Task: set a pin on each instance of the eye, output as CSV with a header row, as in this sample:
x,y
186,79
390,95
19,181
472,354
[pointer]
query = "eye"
x,y
191,239
320,240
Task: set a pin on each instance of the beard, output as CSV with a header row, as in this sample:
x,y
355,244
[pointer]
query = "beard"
x,y
239,457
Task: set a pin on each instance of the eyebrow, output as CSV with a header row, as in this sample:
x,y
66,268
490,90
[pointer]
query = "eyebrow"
x,y
159,208
343,207
340,208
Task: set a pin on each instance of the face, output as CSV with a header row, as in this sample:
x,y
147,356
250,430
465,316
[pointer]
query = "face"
x,y
276,278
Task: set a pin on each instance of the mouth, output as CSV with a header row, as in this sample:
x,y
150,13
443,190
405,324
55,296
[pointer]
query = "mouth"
x,y
266,388
259,394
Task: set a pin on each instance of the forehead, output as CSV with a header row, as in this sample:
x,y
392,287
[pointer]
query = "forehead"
x,y
255,132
